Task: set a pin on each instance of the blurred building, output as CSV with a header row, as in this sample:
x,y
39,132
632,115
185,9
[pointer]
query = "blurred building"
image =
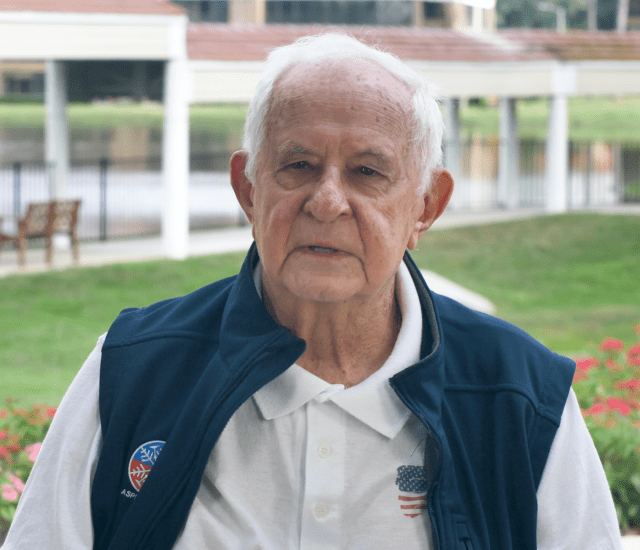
x,y
634,15
137,80
476,14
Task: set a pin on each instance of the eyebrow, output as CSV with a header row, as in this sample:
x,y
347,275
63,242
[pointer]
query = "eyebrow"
x,y
291,148
288,149
384,161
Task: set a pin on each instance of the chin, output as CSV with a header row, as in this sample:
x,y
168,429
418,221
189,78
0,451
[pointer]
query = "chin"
x,y
334,290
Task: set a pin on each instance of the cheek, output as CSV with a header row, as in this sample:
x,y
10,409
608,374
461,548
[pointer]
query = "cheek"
x,y
387,233
274,221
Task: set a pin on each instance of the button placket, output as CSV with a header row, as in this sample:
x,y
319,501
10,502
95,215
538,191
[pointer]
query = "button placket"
x,y
324,476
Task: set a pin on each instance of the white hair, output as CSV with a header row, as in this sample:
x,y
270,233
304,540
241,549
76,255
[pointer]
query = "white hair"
x,y
428,126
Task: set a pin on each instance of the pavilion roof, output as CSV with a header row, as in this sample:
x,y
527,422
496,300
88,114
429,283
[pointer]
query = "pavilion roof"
x,y
227,42
579,45
253,43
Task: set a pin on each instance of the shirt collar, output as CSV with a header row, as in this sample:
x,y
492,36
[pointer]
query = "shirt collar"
x,y
373,401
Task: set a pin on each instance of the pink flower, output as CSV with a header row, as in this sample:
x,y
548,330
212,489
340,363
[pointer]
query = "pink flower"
x,y
579,376
594,410
583,365
614,403
9,492
32,451
3,434
4,453
633,384
612,365
16,482
633,355
611,344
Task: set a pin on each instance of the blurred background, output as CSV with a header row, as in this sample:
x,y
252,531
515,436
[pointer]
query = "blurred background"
x,y
510,73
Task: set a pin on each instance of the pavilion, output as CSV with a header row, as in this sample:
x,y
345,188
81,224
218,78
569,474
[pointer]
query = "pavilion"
x,y
218,63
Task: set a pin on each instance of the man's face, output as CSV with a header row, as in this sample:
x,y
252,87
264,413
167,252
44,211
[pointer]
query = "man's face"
x,y
335,201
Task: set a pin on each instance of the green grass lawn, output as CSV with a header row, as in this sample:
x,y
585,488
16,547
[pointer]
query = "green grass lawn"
x,y
108,115
589,118
565,279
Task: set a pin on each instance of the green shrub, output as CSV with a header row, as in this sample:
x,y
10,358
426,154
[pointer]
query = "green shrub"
x,y
607,384
21,434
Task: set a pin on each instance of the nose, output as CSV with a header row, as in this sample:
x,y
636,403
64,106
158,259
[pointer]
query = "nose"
x,y
328,200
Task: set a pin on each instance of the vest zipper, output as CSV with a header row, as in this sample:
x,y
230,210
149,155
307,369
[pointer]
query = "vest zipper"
x,y
433,484
436,476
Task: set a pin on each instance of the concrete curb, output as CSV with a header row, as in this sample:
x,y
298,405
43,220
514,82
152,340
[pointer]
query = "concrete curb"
x,y
453,290
631,542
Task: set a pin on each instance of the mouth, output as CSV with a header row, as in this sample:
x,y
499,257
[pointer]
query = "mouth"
x,y
323,249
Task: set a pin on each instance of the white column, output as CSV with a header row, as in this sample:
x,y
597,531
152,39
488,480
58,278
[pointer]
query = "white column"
x,y
452,136
476,19
175,161
563,84
56,128
508,155
557,154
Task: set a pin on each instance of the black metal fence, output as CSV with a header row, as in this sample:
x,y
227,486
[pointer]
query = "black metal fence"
x,y
120,198
123,197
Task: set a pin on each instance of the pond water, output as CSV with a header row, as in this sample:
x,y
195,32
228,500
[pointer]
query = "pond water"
x,y
121,145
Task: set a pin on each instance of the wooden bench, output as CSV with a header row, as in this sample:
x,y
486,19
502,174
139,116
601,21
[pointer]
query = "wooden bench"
x,y
44,220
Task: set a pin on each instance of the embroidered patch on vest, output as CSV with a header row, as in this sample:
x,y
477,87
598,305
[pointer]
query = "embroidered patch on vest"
x,y
412,479
142,460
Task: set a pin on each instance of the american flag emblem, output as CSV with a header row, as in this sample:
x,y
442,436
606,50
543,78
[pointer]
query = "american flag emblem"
x,y
142,460
412,483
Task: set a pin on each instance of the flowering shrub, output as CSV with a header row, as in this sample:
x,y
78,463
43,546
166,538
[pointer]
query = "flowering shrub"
x,y
607,384
21,434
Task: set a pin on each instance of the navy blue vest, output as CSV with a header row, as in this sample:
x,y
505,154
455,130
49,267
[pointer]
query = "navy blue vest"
x,y
490,397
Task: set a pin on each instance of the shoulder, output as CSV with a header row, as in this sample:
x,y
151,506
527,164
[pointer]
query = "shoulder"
x,y
195,315
492,354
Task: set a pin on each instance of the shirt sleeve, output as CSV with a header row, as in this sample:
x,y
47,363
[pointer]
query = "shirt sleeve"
x,y
54,511
575,507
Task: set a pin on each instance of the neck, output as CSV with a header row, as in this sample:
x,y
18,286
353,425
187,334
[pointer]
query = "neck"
x,y
347,341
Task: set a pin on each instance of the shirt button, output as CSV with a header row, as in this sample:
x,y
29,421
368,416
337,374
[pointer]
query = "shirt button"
x,y
321,510
324,451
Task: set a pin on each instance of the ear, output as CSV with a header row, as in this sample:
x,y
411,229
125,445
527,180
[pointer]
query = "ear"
x,y
242,187
435,201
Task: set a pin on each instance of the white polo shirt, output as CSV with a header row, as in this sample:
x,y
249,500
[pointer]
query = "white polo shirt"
x,y
305,464
308,464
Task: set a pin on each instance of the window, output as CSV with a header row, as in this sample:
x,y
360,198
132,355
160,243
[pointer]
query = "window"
x,y
433,10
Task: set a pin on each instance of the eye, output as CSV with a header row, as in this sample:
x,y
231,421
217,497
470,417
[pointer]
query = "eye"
x,y
300,165
365,171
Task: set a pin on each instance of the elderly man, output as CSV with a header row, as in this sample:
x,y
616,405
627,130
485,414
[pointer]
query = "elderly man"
x,y
324,397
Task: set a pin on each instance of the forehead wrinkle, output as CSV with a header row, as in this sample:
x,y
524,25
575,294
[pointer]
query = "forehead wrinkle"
x,y
395,93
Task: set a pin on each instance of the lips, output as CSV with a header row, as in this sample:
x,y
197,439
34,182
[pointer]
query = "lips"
x,y
323,249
